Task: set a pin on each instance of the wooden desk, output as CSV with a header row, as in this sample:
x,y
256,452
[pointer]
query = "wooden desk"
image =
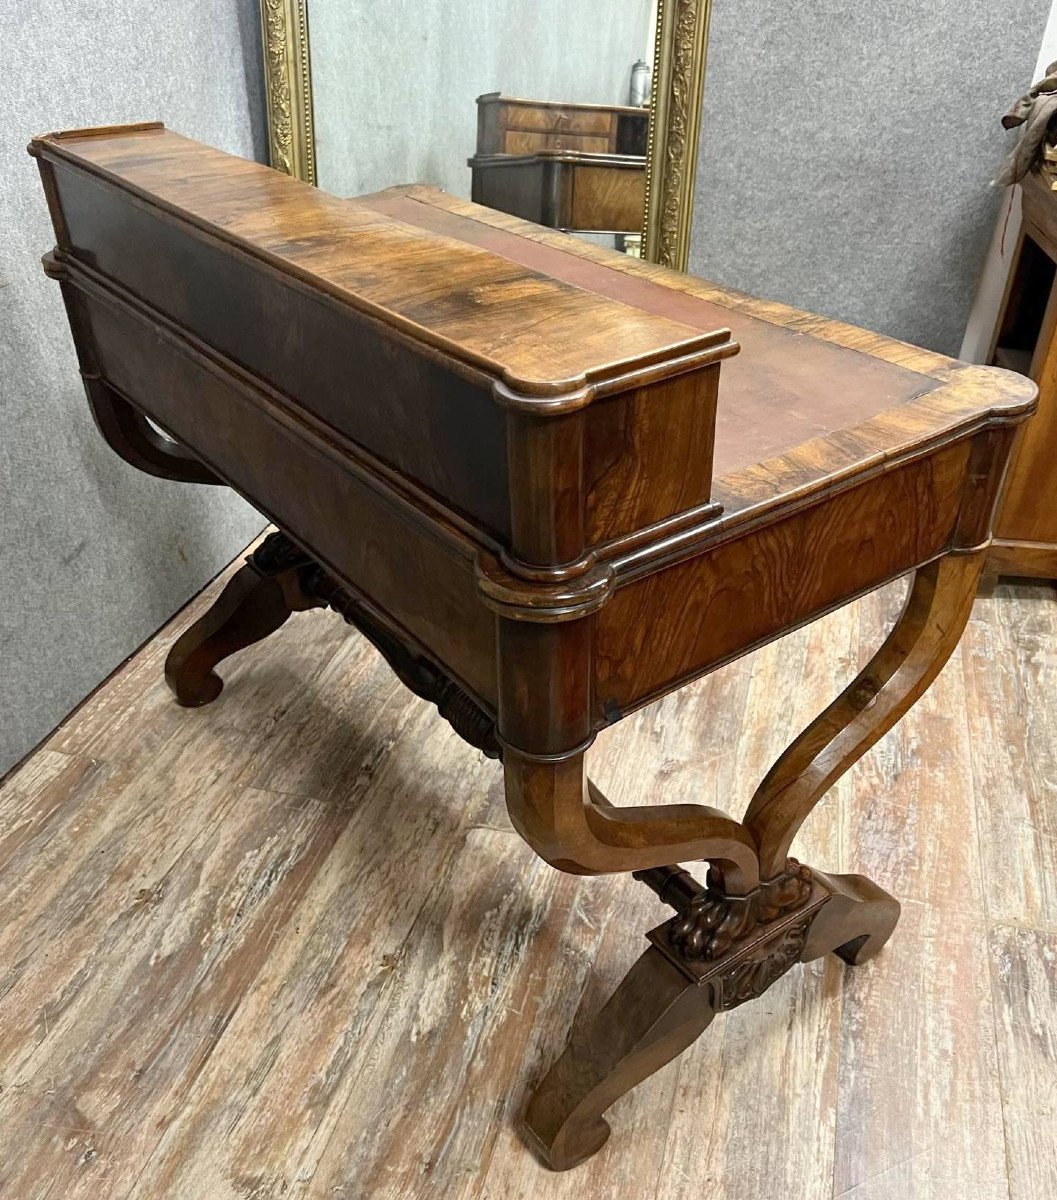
x,y
490,448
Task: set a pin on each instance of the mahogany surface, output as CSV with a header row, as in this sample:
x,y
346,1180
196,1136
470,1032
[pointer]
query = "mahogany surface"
x,y
515,125
564,189
534,474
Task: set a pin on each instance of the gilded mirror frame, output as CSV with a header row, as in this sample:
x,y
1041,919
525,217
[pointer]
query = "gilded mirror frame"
x,y
680,50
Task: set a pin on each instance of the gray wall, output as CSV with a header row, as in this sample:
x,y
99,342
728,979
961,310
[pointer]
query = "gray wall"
x,y
95,556
394,84
846,150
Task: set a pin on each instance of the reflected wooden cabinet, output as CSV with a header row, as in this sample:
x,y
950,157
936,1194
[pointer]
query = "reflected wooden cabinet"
x,y
509,125
1026,341
575,167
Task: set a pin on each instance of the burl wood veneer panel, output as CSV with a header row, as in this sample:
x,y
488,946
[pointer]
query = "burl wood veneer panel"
x,y
742,592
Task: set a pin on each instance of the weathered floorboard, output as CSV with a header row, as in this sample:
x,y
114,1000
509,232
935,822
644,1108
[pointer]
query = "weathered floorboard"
x,y
228,973
1024,970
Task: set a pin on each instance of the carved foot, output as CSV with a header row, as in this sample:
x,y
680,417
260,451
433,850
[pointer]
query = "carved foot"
x,y
279,579
858,919
256,601
718,952
655,1013
713,921
669,998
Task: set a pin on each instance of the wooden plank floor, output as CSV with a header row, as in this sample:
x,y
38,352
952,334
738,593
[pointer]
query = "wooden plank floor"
x,y
288,946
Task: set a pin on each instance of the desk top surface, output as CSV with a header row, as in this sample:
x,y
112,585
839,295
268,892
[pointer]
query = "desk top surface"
x,y
545,312
538,334
799,379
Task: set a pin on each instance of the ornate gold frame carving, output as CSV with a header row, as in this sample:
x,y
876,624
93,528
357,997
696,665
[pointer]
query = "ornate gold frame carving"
x,y
680,53
288,87
681,41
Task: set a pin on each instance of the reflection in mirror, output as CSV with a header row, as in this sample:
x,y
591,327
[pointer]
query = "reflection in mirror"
x,y
538,110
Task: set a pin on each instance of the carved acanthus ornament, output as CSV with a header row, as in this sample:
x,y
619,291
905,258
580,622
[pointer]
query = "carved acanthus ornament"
x,y
308,585
750,978
277,554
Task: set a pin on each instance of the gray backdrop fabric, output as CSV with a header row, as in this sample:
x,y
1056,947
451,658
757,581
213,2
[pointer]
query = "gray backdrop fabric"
x,y
846,150
95,556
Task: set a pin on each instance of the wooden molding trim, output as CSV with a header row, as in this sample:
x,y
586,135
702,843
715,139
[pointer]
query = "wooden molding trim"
x,y
1030,560
529,394
514,589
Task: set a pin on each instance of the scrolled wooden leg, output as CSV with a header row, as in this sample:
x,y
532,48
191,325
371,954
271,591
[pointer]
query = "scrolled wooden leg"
x,y
718,952
135,439
855,923
257,600
670,997
655,1013
937,608
571,825
732,940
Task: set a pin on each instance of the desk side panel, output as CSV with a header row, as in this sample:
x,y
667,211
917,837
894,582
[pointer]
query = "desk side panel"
x,y
436,427
664,629
420,578
648,454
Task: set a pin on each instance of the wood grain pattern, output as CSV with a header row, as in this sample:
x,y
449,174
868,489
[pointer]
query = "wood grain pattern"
x,y
1016,747
647,281
796,570
1024,980
304,231
157,861
566,187
514,125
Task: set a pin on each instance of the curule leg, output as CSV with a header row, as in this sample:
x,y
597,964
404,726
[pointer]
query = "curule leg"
x,y
921,641
670,996
655,1013
695,969
256,601
733,939
571,825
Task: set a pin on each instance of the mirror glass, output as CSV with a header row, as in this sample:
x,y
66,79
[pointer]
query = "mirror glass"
x,y
537,109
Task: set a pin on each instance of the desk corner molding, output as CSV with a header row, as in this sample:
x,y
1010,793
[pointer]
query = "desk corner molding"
x,y
520,599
